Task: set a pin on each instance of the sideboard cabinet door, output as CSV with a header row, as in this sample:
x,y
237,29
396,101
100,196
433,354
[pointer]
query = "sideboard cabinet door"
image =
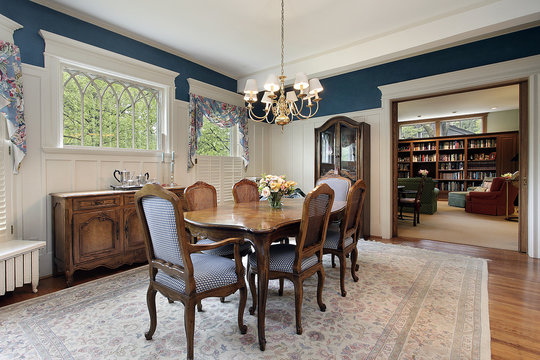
x,y
96,235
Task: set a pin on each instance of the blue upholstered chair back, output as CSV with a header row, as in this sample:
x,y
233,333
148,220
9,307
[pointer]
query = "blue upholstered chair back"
x,y
161,223
339,184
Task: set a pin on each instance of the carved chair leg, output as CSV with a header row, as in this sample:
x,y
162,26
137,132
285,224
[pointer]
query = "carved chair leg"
x,y
281,283
199,306
151,304
222,299
241,307
342,265
333,261
298,294
320,285
189,324
253,288
354,265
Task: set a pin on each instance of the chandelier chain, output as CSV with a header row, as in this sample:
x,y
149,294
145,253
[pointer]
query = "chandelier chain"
x,y
282,35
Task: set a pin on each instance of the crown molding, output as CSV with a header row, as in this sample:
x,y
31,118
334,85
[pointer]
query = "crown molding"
x,y
7,27
214,92
118,30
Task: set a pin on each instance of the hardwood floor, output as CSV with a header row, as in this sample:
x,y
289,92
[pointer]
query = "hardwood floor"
x,y
513,286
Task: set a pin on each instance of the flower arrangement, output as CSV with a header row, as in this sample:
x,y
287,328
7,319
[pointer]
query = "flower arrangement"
x,y
274,187
423,172
507,176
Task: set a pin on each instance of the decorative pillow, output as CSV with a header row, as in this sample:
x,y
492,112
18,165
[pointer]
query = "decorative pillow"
x,y
480,189
487,185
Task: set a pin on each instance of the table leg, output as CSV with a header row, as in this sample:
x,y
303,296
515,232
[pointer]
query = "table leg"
x,y
263,263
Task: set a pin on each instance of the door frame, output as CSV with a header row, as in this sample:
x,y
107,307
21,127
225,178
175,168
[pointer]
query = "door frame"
x,y
523,151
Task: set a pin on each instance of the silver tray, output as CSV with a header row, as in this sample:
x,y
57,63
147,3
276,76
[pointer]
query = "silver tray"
x,y
126,187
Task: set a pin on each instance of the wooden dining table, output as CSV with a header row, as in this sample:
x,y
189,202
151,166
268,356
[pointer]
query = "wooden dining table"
x,y
259,223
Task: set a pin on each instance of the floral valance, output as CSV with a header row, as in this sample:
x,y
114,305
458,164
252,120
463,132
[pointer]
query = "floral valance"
x,y
220,113
11,99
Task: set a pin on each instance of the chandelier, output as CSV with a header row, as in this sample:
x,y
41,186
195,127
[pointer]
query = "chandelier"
x,y
283,107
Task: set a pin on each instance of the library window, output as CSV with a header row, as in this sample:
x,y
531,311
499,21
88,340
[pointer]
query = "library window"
x,y
417,131
461,127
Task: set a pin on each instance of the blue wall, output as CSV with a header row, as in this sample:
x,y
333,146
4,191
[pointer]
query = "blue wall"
x,y
358,90
35,17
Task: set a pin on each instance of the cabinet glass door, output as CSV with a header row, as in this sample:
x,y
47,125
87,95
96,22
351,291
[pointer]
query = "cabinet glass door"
x,y
348,152
327,143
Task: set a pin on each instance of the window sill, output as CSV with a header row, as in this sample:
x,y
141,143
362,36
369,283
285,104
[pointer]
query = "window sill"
x,y
91,151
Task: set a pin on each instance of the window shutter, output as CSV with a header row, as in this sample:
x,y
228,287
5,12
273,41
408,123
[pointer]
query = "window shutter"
x,y
222,172
232,173
4,183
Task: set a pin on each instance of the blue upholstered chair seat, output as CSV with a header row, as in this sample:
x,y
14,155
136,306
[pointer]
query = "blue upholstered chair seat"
x,y
282,259
227,250
209,271
332,239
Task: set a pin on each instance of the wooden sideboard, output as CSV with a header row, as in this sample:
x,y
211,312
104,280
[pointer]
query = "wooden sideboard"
x,y
98,228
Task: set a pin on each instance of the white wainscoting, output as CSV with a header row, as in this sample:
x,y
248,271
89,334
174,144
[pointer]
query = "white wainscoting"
x,y
293,154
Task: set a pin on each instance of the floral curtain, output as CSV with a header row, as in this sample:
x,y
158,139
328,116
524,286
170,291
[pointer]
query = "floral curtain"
x,y
220,113
11,100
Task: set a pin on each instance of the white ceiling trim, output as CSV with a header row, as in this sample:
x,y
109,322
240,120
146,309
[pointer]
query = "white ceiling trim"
x,y
116,29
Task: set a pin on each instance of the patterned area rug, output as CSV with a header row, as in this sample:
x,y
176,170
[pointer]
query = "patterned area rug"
x,y
409,304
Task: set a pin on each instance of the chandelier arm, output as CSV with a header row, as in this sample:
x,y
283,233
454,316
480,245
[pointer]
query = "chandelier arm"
x,y
301,116
256,118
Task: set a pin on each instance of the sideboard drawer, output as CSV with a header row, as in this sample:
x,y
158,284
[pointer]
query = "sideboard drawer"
x,y
96,202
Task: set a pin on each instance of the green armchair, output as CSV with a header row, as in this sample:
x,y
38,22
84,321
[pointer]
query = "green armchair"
x,y
429,194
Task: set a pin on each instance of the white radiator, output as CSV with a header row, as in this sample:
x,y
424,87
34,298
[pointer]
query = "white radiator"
x,y
19,264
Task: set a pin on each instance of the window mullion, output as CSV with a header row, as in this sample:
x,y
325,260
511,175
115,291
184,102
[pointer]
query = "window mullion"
x,y
82,117
132,123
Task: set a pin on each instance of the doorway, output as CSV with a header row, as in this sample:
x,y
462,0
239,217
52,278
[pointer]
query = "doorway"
x,y
465,117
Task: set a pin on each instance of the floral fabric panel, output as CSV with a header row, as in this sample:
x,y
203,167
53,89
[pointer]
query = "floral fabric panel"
x,y
220,113
11,99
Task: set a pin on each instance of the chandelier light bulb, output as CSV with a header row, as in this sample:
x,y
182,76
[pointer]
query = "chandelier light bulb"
x,y
251,87
301,81
315,86
272,83
291,97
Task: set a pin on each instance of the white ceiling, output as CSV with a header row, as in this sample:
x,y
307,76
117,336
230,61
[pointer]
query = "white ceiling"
x,y
472,102
241,38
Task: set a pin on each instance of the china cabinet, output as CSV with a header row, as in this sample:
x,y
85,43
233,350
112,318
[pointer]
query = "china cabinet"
x,y
342,146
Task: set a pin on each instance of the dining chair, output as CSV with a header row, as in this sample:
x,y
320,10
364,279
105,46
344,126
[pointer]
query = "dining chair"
x,y
245,190
177,268
339,184
200,196
342,239
413,203
299,262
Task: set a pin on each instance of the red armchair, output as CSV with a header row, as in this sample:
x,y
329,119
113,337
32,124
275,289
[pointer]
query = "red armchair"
x,y
494,201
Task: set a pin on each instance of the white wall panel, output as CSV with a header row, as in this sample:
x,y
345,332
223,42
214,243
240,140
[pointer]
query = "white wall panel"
x,y
86,175
59,176
106,178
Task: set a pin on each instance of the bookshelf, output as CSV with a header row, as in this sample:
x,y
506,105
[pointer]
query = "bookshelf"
x,y
458,162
